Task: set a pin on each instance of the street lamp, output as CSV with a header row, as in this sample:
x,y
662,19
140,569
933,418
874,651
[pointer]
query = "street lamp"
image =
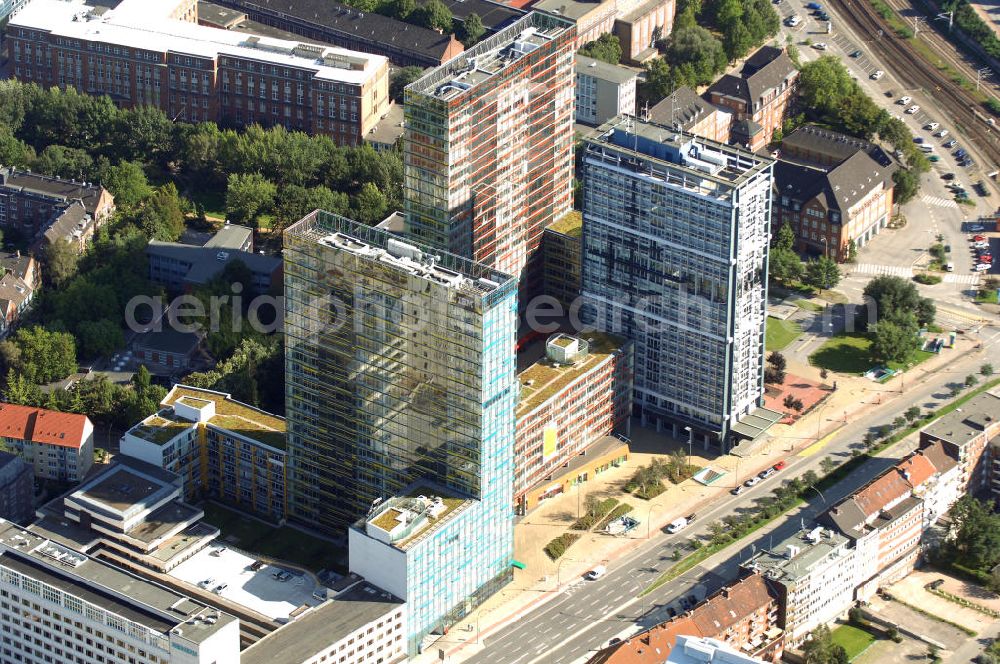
x,y
690,444
649,517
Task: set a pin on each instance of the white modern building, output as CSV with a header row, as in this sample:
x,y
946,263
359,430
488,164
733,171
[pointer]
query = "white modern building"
x,y
675,249
603,90
814,573
700,650
59,605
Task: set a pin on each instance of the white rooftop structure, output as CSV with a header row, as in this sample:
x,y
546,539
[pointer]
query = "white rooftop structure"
x,y
145,24
699,650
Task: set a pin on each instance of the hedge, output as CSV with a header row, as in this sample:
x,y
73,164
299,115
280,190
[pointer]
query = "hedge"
x,y
587,521
616,513
558,546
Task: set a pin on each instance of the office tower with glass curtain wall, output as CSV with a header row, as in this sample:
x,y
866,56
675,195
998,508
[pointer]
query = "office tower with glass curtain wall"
x,y
675,248
488,148
400,368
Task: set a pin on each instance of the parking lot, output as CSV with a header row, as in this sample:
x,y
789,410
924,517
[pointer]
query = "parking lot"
x,y
257,590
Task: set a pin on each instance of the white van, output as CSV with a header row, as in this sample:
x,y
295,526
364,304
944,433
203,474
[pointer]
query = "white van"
x,y
950,267
596,573
677,525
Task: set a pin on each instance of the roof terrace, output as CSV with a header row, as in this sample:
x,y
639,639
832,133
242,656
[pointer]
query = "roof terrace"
x,y
404,520
546,378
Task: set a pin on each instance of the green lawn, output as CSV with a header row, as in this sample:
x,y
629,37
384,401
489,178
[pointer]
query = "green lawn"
x,y
214,202
854,640
781,333
808,305
987,295
848,353
283,543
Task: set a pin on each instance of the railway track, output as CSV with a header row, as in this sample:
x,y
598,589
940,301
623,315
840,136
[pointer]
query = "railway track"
x,y
915,72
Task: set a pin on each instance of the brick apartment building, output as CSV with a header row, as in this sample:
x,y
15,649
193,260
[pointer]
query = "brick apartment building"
x,y
744,615
21,278
59,446
832,190
149,52
758,96
964,435
683,109
578,392
40,205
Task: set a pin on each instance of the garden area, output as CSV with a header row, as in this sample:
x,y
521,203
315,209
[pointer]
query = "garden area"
x,y
854,640
852,354
647,481
780,334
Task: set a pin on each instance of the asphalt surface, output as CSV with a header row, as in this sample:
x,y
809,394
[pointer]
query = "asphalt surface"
x,y
587,614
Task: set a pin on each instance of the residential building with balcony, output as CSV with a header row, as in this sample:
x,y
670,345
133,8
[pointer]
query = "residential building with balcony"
x,y
221,448
758,96
401,388
60,605
964,434
603,91
58,446
833,191
141,53
814,574
576,394
675,250
936,479
488,149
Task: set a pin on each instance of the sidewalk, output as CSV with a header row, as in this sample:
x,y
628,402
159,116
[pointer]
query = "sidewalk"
x,y
543,579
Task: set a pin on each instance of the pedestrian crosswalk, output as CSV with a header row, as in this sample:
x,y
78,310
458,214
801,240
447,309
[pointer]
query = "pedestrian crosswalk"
x,y
894,270
969,279
939,201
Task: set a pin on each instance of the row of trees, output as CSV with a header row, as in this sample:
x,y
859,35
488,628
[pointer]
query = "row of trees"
x,y
785,265
831,97
694,55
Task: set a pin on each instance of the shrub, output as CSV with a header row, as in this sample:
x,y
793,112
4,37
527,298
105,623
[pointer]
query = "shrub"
x,y
558,546
616,513
927,279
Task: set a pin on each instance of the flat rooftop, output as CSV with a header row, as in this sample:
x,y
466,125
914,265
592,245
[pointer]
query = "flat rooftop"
x,y
675,156
491,56
411,505
328,623
234,416
161,428
141,24
775,563
150,604
963,424
570,224
120,487
548,380
572,9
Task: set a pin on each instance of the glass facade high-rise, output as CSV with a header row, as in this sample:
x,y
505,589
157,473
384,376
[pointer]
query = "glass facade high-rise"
x,y
488,148
400,367
675,249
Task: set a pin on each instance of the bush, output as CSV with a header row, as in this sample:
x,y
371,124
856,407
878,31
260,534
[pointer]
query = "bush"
x,y
616,513
927,279
558,546
595,512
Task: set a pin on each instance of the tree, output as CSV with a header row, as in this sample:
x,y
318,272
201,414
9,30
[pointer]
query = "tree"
x,y
894,297
44,355
824,84
820,648
659,80
127,182
907,185
68,163
401,9
13,151
737,40
61,260
695,56
402,78
370,204
248,196
472,30
852,251
986,369
789,401
161,218
893,341
785,239
295,202
777,360
912,413
435,15
970,380
784,265
822,272
976,540
606,48
99,338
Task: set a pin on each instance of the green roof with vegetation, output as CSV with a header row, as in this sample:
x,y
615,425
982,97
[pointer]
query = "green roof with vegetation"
x,y
570,224
234,416
161,428
547,380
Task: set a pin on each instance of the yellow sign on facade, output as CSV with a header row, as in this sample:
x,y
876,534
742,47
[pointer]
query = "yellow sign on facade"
x,y
549,441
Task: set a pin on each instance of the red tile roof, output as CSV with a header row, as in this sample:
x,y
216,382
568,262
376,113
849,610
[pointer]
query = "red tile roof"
x,y
39,425
916,468
887,488
650,647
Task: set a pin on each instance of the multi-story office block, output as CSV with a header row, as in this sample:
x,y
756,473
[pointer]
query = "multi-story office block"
x,y
146,52
401,387
221,448
59,446
488,149
603,91
579,392
60,605
561,248
17,489
675,246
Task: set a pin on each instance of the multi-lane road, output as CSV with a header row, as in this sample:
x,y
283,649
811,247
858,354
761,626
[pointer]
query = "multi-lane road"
x,y
588,613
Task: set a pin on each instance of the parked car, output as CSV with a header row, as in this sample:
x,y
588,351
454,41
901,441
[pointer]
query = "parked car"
x,y
912,109
960,153
779,466
856,54
257,564
903,101
983,267
736,490
207,583
677,525
978,237
948,176
942,133
823,16
933,158
814,5
820,46
950,144
792,21
751,482
877,74
981,189
764,474
918,140
931,126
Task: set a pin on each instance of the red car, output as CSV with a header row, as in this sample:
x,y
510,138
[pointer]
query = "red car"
x,y
978,238
985,258
779,466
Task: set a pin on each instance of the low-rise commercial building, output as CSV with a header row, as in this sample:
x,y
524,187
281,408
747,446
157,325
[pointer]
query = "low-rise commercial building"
x,y
835,192
59,446
361,624
578,392
684,110
758,96
740,618
37,205
60,605
167,351
17,489
814,576
222,449
143,53
183,267
964,433
603,91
